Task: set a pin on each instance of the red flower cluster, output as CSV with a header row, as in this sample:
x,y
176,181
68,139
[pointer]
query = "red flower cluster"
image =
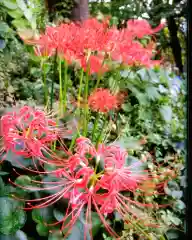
x,y
91,43
28,133
102,100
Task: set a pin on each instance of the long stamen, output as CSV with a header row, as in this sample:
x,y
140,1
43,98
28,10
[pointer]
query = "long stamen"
x,y
109,229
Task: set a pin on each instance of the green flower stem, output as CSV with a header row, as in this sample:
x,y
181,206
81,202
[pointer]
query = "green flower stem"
x,y
75,136
98,80
65,86
105,122
86,110
95,125
60,88
53,80
80,88
44,80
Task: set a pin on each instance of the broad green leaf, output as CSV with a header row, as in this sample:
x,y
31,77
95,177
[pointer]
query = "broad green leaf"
x,y
153,76
180,205
17,160
2,44
42,230
25,181
12,217
11,4
166,113
20,235
173,234
56,235
152,93
143,74
142,97
127,107
20,23
17,13
27,13
43,215
3,27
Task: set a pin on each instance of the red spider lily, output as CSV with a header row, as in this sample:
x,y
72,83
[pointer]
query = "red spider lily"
x,y
83,184
41,51
102,100
140,27
95,64
28,133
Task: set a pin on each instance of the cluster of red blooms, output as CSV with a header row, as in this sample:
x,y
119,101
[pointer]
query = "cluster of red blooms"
x,y
102,101
93,43
28,133
92,178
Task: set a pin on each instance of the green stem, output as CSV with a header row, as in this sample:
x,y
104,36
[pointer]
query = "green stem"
x,y
60,88
65,86
44,80
86,103
73,140
98,80
80,88
53,79
102,131
95,125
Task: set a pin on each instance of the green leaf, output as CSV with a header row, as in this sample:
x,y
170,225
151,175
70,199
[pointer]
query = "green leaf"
x,y
12,217
2,187
142,97
180,205
3,173
143,74
43,215
25,181
11,4
166,113
17,13
96,223
56,235
20,23
42,230
152,93
127,107
27,13
4,28
18,161
172,234
20,235
153,76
